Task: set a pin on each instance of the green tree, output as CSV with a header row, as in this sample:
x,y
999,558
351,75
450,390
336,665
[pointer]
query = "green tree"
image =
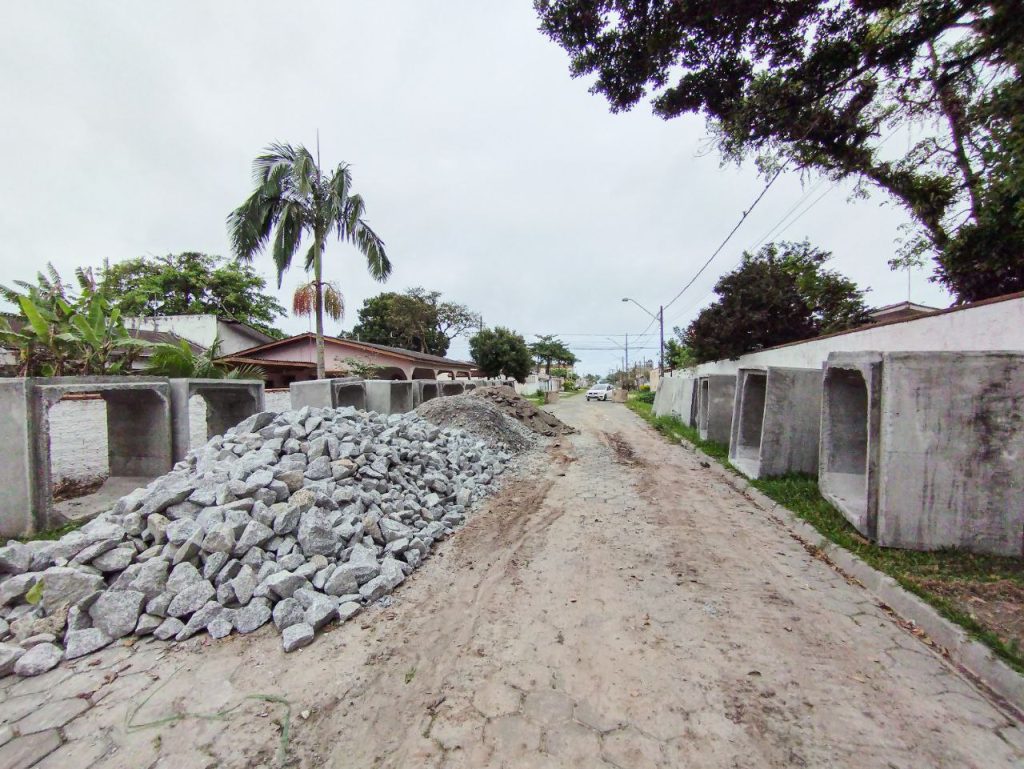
x,y
677,354
781,294
191,283
501,352
549,349
414,320
822,85
293,200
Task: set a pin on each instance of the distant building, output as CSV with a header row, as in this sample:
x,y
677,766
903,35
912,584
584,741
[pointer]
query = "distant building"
x,y
294,360
202,330
900,311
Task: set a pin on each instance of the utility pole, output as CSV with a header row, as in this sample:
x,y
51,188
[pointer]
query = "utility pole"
x,y
626,371
661,347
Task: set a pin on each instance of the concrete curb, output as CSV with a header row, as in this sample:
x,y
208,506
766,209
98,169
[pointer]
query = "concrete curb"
x,y
951,641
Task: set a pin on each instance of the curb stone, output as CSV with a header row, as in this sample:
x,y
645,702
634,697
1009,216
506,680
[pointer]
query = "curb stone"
x,y
951,641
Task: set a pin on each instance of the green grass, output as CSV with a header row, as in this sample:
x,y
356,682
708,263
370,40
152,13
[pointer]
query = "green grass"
x,y
55,533
800,494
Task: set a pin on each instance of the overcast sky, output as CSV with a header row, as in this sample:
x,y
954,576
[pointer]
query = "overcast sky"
x,y
493,176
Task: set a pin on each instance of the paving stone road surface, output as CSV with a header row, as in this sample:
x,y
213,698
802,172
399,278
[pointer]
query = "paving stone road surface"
x,y
616,606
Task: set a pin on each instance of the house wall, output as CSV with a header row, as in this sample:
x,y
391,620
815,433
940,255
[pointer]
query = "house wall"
x,y
201,330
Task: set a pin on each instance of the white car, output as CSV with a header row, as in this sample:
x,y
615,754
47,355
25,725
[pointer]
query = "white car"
x,y
600,392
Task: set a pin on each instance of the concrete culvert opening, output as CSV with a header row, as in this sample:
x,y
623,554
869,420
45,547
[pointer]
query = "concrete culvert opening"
x,y
703,404
78,445
752,401
428,391
349,394
845,433
452,388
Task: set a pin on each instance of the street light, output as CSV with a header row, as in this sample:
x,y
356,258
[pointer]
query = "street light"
x,y
660,317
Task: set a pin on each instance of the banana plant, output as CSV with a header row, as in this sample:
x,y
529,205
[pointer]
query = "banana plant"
x,y
181,360
98,334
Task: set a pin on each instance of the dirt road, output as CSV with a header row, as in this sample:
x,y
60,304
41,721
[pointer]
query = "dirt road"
x,y
619,606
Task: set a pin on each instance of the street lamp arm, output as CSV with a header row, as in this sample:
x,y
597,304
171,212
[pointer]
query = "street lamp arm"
x,y
634,301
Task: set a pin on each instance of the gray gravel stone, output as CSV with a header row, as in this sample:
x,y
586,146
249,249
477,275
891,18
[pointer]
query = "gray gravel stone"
x,y
78,643
191,599
168,629
39,659
296,636
116,612
287,613
255,615
9,655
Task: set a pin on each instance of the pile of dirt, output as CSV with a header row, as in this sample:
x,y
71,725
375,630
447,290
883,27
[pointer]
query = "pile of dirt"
x,y
524,412
480,418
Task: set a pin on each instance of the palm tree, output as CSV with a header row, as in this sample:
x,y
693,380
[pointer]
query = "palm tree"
x,y
293,199
304,300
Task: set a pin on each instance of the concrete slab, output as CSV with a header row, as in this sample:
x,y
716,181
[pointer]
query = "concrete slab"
x,y
228,402
923,450
715,394
776,421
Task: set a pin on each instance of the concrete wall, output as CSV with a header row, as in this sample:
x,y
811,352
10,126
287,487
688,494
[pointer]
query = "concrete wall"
x,y
675,397
935,460
775,422
18,499
201,330
329,393
994,325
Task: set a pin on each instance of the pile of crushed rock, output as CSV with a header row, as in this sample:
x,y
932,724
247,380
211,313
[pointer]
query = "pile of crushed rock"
x,y
479,417
300,518
518,408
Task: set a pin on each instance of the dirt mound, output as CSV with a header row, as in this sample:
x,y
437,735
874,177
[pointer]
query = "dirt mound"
x,y
480,418
524,412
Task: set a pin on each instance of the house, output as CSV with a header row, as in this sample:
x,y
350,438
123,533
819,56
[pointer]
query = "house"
x,y
294,360
900,311
202,330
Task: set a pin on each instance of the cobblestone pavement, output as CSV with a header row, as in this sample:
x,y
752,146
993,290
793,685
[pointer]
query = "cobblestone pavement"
x,y
617,606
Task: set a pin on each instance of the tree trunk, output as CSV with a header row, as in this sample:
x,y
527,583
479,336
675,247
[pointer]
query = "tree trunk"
x,y
321,371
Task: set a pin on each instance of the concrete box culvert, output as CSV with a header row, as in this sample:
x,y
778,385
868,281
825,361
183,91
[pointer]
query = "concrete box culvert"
x,y
452,388
228,402
923,450
776,421
138,416
328,393
426,390
715,394
389,397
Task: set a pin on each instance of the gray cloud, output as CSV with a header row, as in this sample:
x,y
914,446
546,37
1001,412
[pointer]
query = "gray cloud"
x,y
492,176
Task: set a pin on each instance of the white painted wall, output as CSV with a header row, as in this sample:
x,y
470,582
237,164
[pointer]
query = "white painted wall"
x,y
200,329
995,326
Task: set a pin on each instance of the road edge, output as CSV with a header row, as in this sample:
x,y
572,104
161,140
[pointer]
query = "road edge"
x,y
951,641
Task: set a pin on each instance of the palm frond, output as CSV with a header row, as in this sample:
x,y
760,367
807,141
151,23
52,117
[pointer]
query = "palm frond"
x,y
372,247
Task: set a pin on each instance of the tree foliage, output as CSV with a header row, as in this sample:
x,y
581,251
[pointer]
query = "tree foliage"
x,y
780,294
294,200
191,283
415,320
64,332
181,360
549,349
501,352
823,85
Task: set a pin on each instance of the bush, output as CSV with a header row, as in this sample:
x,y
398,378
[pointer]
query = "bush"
x,y
645,395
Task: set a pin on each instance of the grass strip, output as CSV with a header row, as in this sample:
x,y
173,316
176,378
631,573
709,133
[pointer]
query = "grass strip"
x,y
911,568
